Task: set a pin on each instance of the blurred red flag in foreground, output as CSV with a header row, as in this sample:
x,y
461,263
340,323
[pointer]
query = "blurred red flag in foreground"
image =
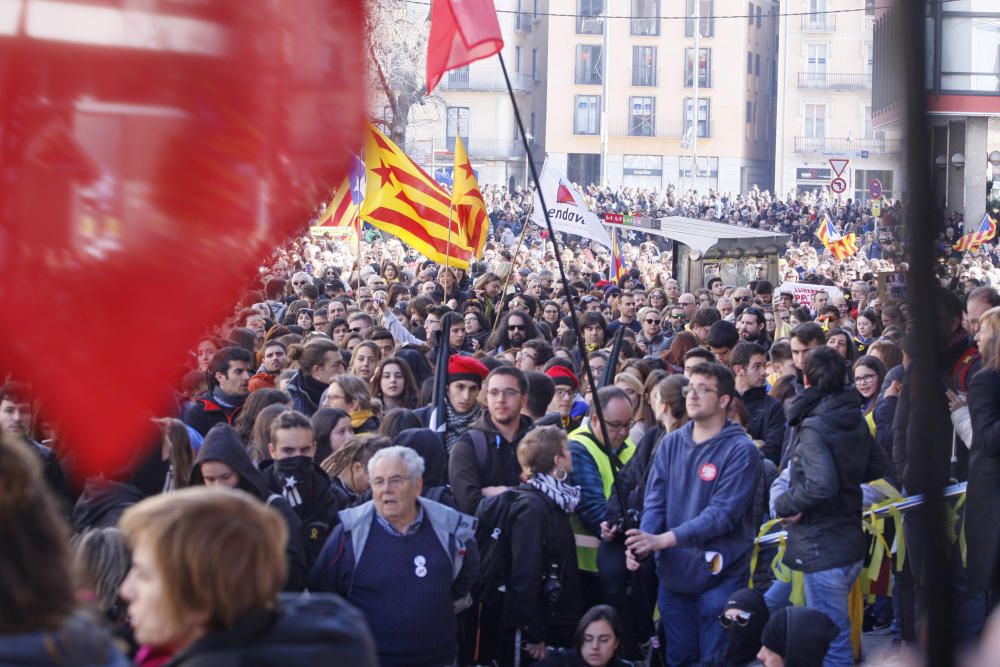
x,y
152,155
462,31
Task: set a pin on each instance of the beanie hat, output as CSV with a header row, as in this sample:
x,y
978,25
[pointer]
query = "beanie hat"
x,y
800,635
461,367
563,376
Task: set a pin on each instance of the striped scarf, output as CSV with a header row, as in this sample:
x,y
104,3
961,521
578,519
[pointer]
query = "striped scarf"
x,y
566,496
459,423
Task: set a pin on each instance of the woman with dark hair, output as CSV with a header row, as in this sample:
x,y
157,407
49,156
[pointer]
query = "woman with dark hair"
x,y
550,313
39,620
333,430
398,420
596,642
680,345
799,315
257,401
397,292
869,374
389,272
204,351
304,319
842,341
416,359
566,334
869,328
393,384
477,327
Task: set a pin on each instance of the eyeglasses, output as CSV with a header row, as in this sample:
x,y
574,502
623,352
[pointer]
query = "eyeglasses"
x,y
685,303
652,321
616,426
516,327
742,619
697,391
865,379
677,316
298,282
741,298
523,355
505,393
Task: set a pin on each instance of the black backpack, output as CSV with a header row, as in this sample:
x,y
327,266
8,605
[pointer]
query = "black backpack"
x,y
493,542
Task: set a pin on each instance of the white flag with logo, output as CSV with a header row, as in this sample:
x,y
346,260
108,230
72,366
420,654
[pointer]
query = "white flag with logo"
x,y
567,210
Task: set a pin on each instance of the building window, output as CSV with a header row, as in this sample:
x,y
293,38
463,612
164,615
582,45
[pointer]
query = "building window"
x,y
457,125
642,111
643,65
458,77
588,64
534,64
524,18
970,53
750,14
706,20
531,125
587,114
588,17
583,168
867,122
517,60
748,113
815,122
760,14
704,68
704,107
756,64
645,17
642,171
749,63
816,65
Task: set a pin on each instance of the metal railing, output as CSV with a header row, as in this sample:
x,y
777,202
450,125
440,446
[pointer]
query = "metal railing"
x,y
662,128
590,25
873,146
462,79
835,80
646,26
819,22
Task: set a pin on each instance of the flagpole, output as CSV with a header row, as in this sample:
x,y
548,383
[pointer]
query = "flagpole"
x,y
605,445
513,263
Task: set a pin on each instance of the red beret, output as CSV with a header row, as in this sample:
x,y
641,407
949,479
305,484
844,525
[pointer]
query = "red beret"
x,y
563,376
461,367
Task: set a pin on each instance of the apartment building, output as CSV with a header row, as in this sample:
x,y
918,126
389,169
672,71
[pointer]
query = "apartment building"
x,y
962,78
652,115
825,63
473,102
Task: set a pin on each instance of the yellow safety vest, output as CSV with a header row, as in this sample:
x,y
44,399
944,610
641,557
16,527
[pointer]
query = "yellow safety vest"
x,y
587,542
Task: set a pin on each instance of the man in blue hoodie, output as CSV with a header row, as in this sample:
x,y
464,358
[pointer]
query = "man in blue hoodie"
x,y
699,515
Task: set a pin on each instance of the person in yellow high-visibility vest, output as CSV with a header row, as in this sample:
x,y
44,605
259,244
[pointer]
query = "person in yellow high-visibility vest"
x,y
592,472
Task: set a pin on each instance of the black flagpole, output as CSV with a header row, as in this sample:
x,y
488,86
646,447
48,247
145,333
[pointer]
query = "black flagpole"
x,y
606,446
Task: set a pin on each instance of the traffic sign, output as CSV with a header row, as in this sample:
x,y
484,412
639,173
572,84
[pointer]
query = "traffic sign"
x,y
875,188
838,185
838,165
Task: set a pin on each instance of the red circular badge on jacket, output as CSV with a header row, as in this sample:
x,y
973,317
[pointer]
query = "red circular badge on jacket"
x,y
708,471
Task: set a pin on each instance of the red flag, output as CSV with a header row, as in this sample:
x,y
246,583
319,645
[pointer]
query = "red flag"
x,y
462,31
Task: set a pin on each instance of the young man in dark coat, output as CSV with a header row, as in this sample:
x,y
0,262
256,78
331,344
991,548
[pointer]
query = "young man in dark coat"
x,y
767,417
293,474
833,455
229,384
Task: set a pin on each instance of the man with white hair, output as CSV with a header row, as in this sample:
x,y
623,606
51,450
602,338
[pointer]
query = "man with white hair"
x,y
408,563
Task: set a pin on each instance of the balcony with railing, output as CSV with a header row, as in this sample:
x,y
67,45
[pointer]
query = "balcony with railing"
x,y
819,22
835,80
645,26
464,80
654,126
846,145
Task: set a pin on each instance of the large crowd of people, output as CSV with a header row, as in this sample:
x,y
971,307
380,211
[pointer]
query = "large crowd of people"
x,y
608,456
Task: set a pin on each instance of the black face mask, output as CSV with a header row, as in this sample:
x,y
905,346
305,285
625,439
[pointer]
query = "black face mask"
x,y
297,474
742,642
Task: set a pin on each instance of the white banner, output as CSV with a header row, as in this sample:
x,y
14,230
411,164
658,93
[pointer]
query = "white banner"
x,y
804,291
567,210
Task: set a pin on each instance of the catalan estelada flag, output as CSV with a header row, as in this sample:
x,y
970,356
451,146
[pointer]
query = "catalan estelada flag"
x,y
841,247
402,200
987,230
343,209
617,268
467,201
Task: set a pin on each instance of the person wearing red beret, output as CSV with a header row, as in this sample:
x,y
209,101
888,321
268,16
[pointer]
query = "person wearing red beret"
x,y
465,379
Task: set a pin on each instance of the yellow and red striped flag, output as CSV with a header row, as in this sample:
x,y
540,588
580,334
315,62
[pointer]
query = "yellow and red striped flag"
x,y
841,247
343,209
986,231
468,201
402,200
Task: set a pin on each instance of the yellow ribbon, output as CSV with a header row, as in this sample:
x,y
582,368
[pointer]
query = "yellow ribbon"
x,y
764,530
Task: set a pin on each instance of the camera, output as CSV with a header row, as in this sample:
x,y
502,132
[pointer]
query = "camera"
x,y
551,586
630,519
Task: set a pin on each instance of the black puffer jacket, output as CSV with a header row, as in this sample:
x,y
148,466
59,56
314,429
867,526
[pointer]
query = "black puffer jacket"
x,y
541,543
767,421
319,630
832,456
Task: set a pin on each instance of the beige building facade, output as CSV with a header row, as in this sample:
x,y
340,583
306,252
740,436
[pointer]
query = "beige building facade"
x,y
825,64
651,110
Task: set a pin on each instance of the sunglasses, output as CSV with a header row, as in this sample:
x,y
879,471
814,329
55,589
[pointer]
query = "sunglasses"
x,y
741,298
516,327
742,619
652,321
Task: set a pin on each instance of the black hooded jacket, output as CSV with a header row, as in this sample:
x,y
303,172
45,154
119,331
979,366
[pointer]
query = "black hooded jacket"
x,y
321,629
320,502
767,421
223,444
428,445
832,456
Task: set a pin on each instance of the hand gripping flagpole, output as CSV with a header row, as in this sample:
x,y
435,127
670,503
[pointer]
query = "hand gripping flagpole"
x,y
605,445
